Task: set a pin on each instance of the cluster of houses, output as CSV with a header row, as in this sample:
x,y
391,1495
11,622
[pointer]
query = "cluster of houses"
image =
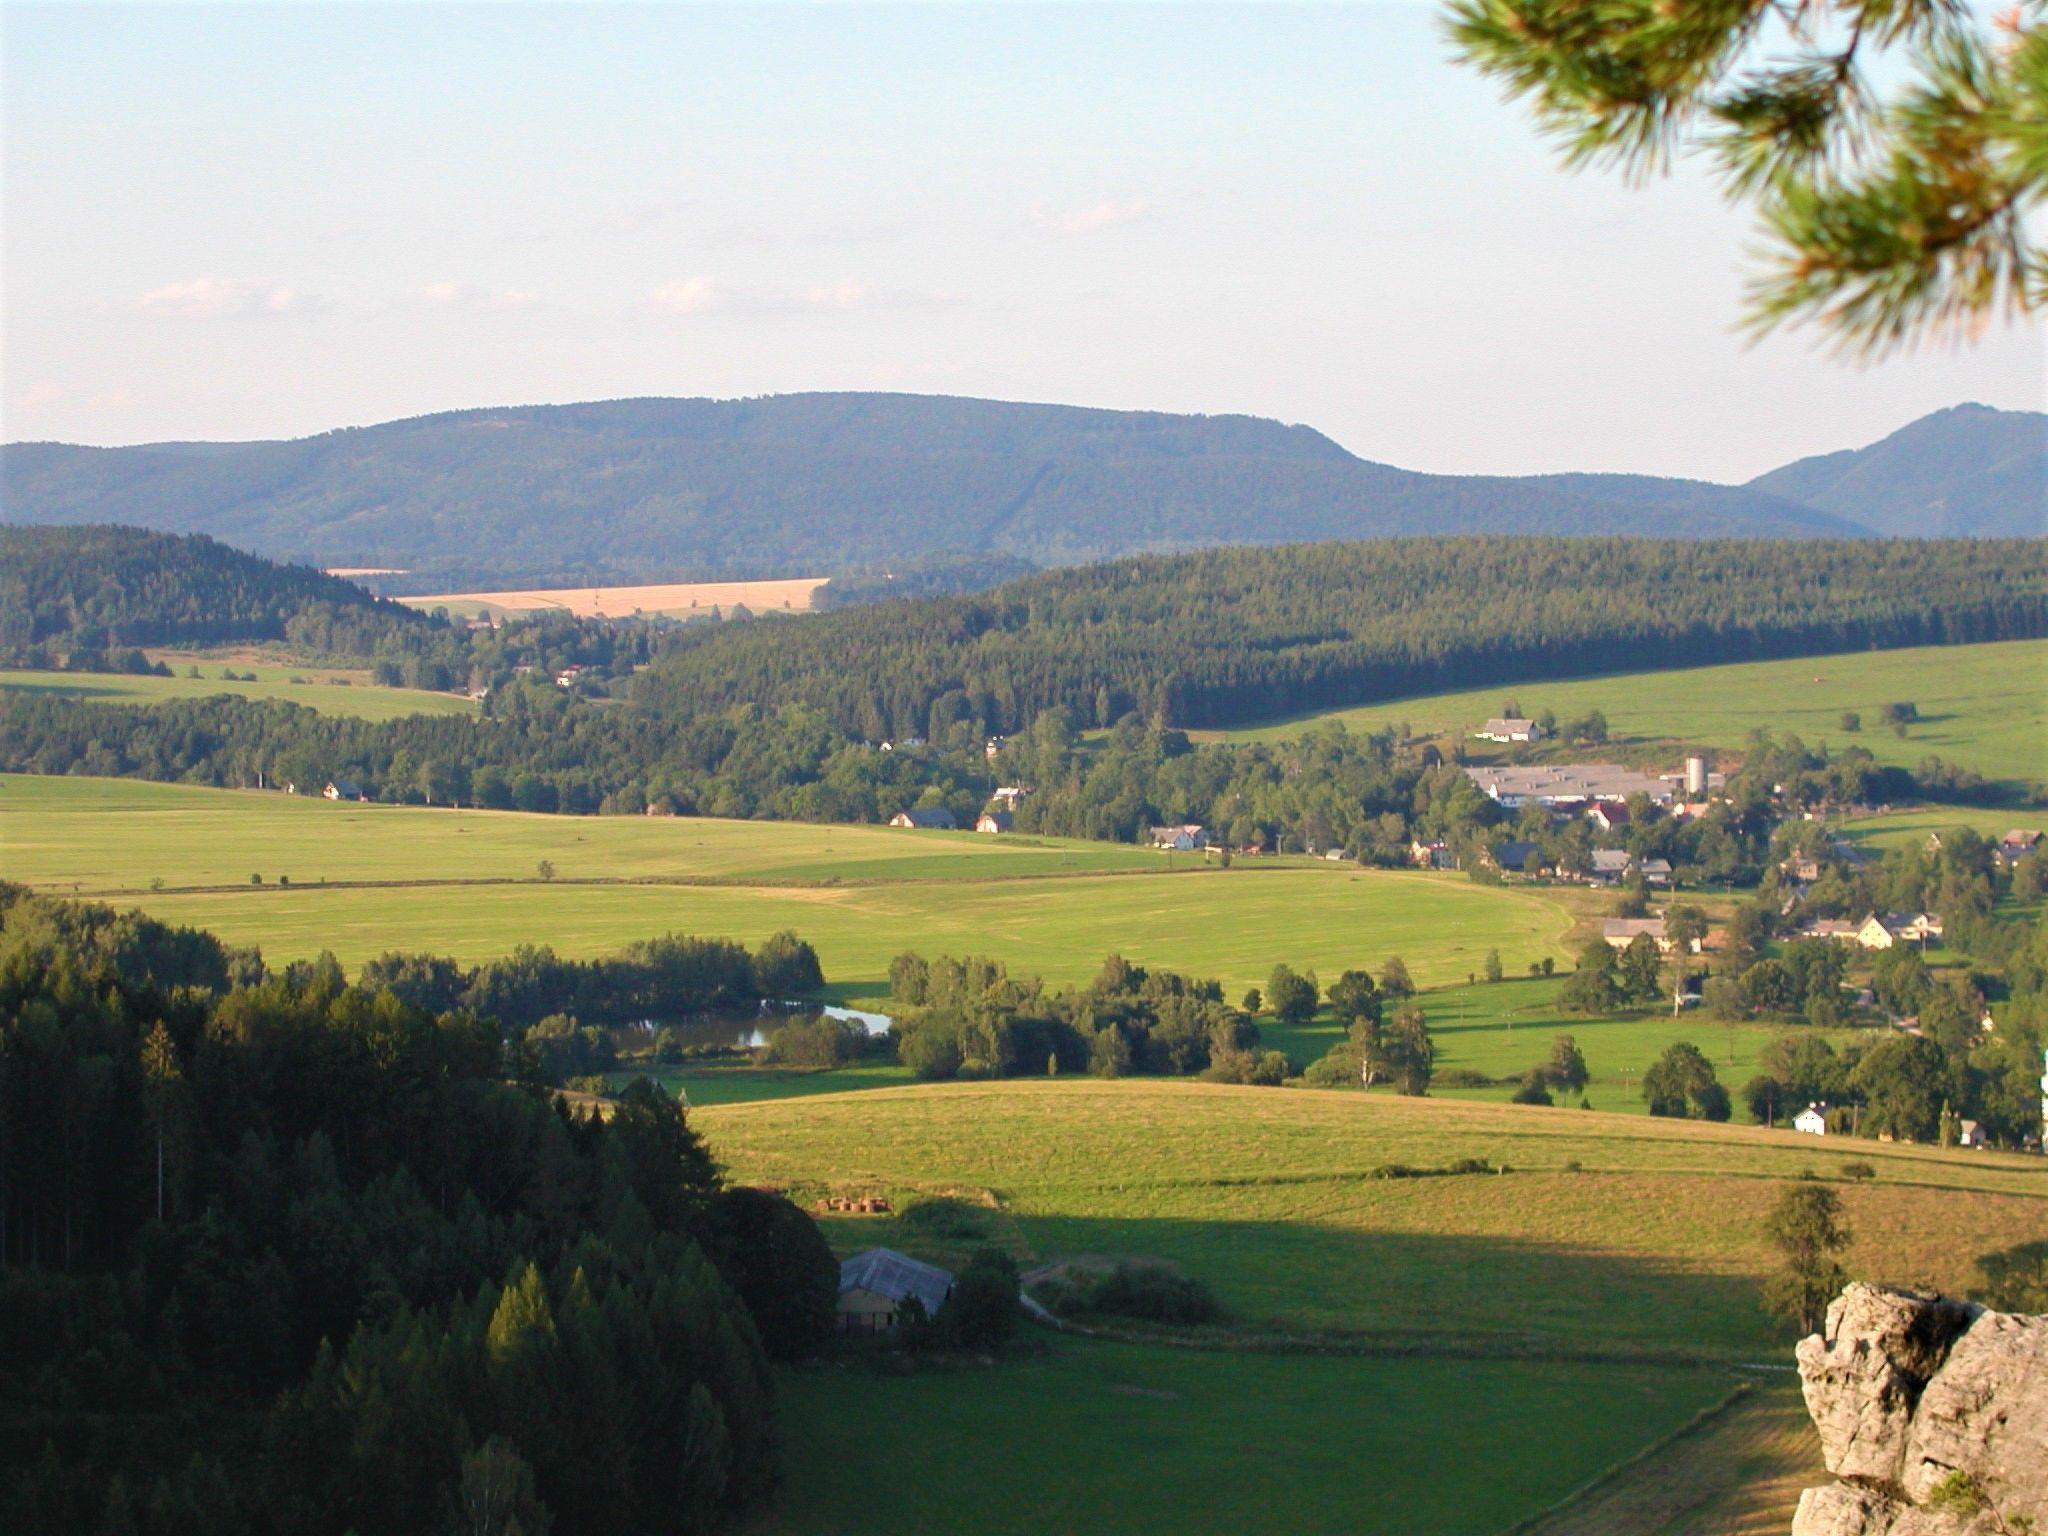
x,y
1813,1121
1877,931
999,816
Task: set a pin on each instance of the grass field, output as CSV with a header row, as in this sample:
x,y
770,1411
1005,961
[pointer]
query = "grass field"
x,y
1114,1438
1507,1027
675,599
1984,706
860,894
324,689
1649,1243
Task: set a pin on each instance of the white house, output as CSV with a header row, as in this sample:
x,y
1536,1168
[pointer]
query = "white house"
x,y
1510,730
1969,1134
1813,1120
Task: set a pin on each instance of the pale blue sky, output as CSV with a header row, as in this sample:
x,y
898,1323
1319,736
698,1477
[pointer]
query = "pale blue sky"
x,y
269,220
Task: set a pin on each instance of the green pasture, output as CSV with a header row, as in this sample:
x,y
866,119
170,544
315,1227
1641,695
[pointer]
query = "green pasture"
x,y
1506,1027
1901,829
860,894
1611,1233
1116,1438
321,691
1984,706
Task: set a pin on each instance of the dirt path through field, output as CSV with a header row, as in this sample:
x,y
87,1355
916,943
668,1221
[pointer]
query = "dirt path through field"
x,y
1739,1474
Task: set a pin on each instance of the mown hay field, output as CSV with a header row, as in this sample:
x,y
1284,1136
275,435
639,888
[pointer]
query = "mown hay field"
x,y
1609,1233
672,599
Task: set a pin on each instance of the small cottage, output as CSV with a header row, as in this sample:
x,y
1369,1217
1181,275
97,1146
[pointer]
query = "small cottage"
x,y
932,818
344,789
877,1286
993,821
1813,1120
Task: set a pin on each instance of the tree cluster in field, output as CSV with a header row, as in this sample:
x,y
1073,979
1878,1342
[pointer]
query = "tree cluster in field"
x,y
670,977
279,1254
970,1018
1231,636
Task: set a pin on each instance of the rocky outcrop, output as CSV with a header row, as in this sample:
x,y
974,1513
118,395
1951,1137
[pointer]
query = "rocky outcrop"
x,y
1933,1415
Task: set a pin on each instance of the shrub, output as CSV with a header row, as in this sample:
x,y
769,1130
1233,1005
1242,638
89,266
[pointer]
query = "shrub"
x,y
1533,1092
1858,1171
1149,1293
944,1217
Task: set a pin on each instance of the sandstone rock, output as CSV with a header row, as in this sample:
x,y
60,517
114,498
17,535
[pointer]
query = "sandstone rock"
x,y
1986,1413
1913,1393
1864,1373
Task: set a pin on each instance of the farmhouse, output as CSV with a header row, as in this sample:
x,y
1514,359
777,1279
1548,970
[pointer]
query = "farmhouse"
x,y
2017,844
1969,1134
1571,784
1620,932
1510,730
1517,854
1813,1120
1656,871
1008,795
1608,815
1829,928
877,1287
936,817
344,789
993,821
1609,865
1432,855
1801,867
1182,837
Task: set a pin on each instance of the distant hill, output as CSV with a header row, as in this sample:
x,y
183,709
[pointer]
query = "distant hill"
x,y
823,482
94,587
1967,472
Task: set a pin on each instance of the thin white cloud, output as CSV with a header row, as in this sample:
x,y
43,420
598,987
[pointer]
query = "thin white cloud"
x,y
687,296
841,295
209,298
1087,219
471,296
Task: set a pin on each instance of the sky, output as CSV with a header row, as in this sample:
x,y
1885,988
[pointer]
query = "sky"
x,y
272,220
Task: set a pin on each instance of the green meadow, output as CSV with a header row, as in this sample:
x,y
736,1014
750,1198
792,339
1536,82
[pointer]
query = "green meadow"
x,y
1502,1028
1531,1325
1116,1438
320,688
466,883
1984,706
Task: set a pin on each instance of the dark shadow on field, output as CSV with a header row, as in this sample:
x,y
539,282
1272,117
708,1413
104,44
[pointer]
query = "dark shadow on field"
x,y
1308,1284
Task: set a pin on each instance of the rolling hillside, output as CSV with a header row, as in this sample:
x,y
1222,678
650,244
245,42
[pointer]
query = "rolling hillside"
x,y
666,489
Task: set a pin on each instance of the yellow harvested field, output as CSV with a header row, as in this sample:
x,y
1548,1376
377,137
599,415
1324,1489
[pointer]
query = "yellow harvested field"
x,y
676,599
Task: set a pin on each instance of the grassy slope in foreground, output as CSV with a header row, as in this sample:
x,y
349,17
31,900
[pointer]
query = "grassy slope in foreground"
x,y
1650,1243
1984,706
360,697
1120,1439
934,892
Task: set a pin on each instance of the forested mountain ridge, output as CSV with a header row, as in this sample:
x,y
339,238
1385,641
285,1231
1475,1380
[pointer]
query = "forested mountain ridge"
x,y
1232,636
1969,471
668,489
97,586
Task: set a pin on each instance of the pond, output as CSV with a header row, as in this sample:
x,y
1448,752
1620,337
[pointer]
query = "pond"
x,y
746,1031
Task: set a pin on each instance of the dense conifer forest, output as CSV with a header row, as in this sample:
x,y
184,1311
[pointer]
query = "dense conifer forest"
x,y
1237,635
101,586
286,1255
